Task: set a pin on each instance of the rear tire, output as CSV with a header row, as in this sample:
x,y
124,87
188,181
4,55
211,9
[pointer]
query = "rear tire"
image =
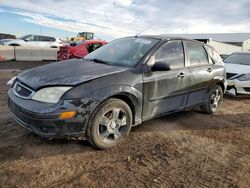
x,y
215,97
109,124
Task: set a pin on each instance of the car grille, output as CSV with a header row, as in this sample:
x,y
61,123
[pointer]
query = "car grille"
x,y
230,75
17,111
30,121
22,91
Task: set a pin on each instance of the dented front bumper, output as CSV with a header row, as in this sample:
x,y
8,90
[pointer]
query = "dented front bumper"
x,y
44,118
235,87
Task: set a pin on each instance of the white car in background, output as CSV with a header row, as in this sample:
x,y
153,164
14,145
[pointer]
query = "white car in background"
x,y
35,41
2,41
238,73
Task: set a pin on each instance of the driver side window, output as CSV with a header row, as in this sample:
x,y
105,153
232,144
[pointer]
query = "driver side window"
x,y
171,53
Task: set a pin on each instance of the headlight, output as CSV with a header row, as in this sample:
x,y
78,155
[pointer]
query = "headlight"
x,y
244,77
11,81
50,94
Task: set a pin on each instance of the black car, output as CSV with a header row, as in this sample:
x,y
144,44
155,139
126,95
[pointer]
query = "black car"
x,y
122,84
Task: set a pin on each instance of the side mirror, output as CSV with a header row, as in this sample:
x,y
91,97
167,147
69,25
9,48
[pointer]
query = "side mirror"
x,y
160,66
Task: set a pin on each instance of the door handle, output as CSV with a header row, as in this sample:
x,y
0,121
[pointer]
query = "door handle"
x,y
209,70
181,75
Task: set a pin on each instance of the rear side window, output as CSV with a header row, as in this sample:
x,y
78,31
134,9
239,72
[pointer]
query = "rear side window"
x,y
52,39
171,53
216,58
197,54
46,39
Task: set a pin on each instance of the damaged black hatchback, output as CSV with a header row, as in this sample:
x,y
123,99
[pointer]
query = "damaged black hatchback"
x,y
118,86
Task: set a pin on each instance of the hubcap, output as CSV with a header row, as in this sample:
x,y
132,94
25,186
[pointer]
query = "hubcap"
x,y
215,99
112,125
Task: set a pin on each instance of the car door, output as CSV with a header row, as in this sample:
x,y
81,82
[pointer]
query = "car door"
x,y
201,72
166,91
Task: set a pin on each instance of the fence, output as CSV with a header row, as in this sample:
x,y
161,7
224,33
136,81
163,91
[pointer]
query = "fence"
x,y
20,53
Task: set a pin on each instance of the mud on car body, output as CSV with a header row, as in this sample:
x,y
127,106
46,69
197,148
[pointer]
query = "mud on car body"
x,y
126,82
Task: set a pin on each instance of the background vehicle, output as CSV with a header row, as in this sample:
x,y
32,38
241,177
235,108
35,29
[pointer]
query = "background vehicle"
x,y
82,36
35,41
7,36
126,82
2,41
79,49
238,73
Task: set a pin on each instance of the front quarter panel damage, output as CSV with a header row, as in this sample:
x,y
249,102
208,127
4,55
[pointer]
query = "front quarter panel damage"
x,y
83,107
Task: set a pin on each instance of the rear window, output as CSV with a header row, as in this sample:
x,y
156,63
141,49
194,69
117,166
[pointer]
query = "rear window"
x,y
216,58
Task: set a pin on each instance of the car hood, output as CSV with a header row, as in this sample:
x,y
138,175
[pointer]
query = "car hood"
x,y
66,73
237,68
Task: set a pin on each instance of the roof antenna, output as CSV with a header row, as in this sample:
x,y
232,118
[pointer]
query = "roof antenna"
x,y
145,29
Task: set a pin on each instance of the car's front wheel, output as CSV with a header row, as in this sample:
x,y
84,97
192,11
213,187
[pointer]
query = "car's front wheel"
x,y
109,124
14,45
215,97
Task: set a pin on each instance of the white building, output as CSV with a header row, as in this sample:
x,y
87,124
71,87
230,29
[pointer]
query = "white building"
x,y
224,43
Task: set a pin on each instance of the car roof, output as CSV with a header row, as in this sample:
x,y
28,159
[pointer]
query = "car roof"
x,y
167,37
40,35
243,52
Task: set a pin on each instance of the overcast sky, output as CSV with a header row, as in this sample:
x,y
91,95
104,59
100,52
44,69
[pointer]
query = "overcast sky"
x,y
111,19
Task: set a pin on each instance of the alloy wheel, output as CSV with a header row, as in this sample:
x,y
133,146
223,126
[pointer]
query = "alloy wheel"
x,y
215,99
112,125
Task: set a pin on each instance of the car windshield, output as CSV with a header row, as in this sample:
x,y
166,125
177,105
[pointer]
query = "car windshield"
x,y
125,52
239,58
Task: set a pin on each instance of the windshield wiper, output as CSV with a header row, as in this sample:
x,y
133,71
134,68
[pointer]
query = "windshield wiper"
x,y
97,60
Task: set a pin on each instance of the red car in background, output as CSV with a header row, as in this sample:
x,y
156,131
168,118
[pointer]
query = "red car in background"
x,y
79,49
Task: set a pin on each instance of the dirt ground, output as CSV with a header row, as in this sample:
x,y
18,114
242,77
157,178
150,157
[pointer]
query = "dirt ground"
x,y
186,149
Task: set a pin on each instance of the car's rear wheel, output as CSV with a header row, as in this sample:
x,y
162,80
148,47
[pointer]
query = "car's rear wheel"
x,y
109,124
215,97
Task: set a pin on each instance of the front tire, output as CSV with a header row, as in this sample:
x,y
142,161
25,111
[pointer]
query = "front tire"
x,y
14,45
215,97
109,124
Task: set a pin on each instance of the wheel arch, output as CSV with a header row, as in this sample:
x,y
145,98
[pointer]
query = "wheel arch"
x,y
222,85
132,102
220,80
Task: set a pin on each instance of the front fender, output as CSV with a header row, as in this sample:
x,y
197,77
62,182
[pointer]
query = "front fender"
x,y
101,94
120,91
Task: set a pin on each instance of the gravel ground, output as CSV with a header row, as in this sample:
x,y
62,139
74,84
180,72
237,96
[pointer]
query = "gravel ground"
x,y
186,149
